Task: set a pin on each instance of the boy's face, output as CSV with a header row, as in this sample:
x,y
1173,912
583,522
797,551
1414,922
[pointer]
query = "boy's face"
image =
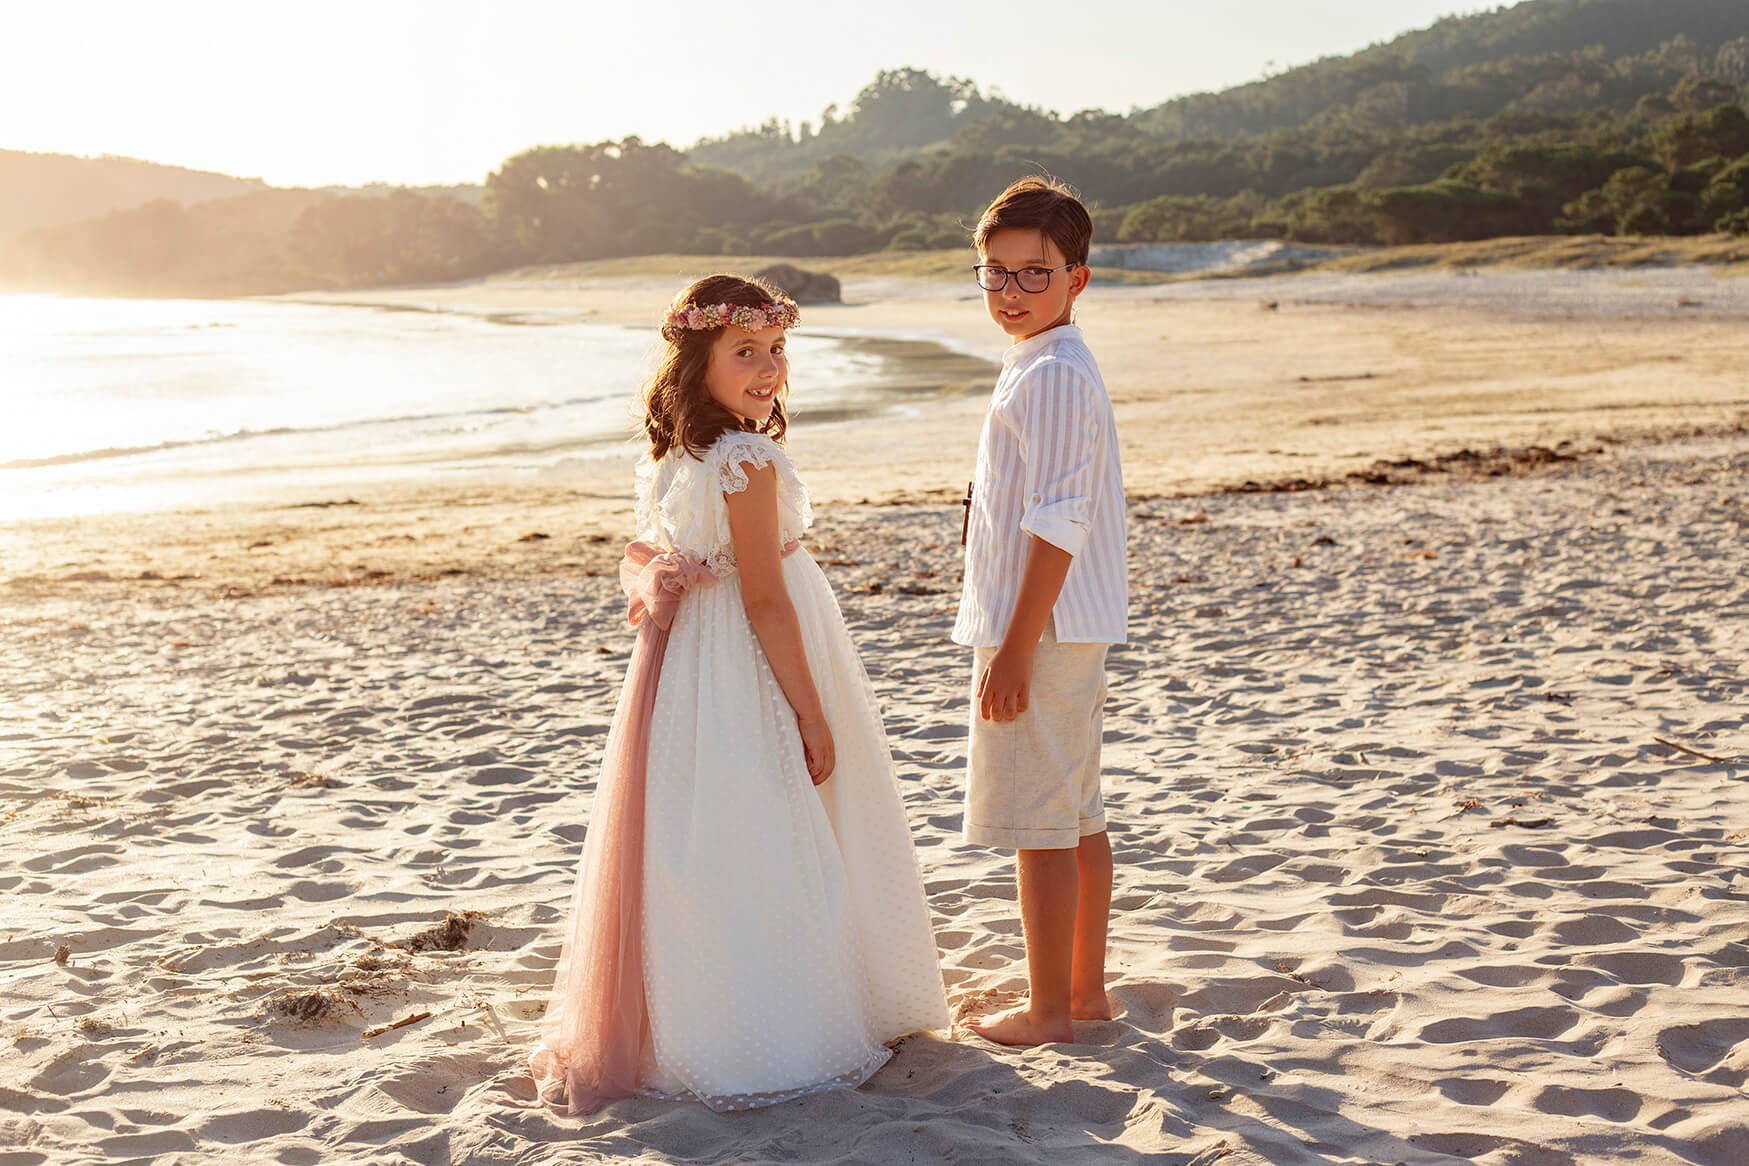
x,y
1023,314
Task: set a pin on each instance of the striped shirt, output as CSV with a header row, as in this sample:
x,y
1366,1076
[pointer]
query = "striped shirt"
x,y
1047,466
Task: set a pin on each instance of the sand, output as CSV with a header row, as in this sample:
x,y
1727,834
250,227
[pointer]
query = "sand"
x,y
1428,795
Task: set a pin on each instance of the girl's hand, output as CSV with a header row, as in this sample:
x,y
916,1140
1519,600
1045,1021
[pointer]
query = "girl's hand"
x,y
817,747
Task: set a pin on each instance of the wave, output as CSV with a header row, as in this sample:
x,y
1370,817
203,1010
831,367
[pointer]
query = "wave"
x,y
76,457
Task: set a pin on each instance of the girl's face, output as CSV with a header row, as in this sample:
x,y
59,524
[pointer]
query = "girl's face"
x,y
746,372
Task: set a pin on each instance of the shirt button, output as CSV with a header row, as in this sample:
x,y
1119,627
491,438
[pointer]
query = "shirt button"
x,y
1036,498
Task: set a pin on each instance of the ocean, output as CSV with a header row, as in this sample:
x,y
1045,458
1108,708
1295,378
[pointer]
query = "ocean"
x,y
120,405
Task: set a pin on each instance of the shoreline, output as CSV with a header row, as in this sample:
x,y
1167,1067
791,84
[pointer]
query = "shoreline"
x,y
1212,394
579,411
398,537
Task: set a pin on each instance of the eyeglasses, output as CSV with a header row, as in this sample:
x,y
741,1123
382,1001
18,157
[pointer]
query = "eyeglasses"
x,y
994,277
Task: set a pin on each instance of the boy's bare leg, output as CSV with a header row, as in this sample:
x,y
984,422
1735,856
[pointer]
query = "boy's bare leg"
x,y
1049,898
1092,910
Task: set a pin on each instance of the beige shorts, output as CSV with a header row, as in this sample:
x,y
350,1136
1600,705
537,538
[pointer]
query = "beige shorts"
x,y
1033,783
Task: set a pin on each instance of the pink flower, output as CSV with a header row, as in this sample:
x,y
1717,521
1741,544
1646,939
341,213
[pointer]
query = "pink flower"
x,y
782,313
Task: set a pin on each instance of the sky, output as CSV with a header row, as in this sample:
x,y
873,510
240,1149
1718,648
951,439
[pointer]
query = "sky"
x,y
321,92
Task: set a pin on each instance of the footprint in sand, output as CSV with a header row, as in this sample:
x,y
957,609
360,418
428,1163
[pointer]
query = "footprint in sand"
x,y
320,859
253,1125
311,891
1535,1023
1473,1146
1473,1090
436,1084
1608,1104
1599,994
1713,1050
1085,1104
73,1072
1638,967
146,1147
1209,1030
1593,931
1241,996
1505,976
79,860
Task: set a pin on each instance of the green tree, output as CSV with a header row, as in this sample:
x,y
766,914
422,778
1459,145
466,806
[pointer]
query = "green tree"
x,y
1725,196
1687,138
1632,202
1174,219
1444,212
1412,165
1718,202
1732,62
1544,179
401,237
1335,214
838,182
1009,126
556,204
1644,218
1697,94
1654,107
831,237
907,107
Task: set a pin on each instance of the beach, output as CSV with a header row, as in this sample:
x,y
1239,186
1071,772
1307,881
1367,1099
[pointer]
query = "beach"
x,y
1425,763
1217,384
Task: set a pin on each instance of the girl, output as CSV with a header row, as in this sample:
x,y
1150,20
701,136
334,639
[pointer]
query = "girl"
x,y
749,924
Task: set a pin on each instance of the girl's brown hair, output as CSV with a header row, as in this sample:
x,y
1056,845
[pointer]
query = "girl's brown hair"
x,y
679,411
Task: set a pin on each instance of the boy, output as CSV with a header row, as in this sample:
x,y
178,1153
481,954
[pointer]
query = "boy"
x,y
1045,596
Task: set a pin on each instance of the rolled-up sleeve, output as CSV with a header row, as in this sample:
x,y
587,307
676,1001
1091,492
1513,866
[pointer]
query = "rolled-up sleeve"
x,y
1057,422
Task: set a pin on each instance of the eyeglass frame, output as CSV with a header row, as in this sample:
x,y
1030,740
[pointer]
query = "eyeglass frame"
x,y
979,268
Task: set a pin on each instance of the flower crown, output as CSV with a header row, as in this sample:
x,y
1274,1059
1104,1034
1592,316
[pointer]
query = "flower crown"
x,y
694,318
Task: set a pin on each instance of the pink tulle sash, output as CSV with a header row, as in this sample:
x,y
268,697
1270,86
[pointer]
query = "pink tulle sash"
x,y
596,1032
596,1026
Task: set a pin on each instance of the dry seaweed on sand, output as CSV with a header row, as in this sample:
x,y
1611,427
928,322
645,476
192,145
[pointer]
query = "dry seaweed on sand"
x,y
450,935
311,1004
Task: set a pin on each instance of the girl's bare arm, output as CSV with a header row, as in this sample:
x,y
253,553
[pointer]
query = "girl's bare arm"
x,y
758,542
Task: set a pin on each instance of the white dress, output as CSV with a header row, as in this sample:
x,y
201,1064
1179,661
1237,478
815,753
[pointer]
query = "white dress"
x,y
786,935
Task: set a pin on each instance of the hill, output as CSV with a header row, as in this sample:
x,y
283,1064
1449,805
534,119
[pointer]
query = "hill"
x,y
52,190
48,190
1546,55
1539,59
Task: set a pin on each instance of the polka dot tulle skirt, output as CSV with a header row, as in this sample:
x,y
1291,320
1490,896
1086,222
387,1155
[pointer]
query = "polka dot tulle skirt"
x,y
786,936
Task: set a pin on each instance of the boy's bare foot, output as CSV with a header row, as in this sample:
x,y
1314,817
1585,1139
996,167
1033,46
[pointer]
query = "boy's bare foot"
x,y
1019,1027
1091,1007
982,1002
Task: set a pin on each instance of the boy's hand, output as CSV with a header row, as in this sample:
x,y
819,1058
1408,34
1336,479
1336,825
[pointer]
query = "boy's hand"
x,y
1005,688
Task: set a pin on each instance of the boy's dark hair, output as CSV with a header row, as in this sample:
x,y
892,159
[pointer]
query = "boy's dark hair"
x,y
1040,203
679,412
